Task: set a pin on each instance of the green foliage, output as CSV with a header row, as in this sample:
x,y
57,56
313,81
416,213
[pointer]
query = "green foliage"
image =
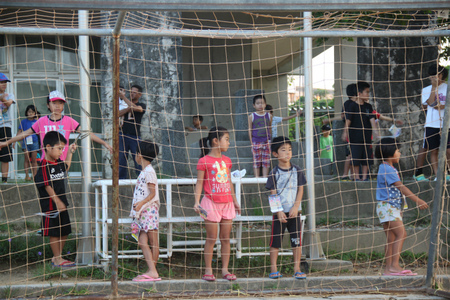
x,y
235,287
74,291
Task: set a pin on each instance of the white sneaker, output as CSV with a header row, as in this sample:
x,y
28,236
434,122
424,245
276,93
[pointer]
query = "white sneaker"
x,y
238,174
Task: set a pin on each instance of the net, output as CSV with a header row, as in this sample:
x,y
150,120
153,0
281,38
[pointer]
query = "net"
x,y
200,70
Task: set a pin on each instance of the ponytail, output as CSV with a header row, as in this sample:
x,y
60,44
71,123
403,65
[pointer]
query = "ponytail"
x,y
204,149
215,132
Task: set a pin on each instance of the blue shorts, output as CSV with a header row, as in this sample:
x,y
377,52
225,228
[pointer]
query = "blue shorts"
x,y
31,147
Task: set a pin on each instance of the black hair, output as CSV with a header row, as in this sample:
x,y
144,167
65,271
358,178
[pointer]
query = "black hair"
x,y
148,150
436,69
279,141
351,90
138,87
214,133
258,97
52,138
386,148
269,108
121,87
200,118
33,108
361,86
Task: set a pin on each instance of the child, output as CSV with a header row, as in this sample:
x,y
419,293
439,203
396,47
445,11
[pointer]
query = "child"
x,y
30,145
259,131
286,180
219,204
197,122
359,125
6,100
389,205
278,120
50,182
56,121
145,210
326,143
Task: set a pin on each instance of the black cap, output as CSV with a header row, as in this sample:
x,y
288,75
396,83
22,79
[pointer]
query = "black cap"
x,y
326,127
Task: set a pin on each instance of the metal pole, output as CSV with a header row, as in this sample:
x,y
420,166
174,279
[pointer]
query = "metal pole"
x,y
438,191
85,254
315,251
115,166
225,34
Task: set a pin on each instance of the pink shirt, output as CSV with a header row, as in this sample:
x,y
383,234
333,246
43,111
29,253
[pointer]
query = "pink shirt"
x,y
216,182
66,125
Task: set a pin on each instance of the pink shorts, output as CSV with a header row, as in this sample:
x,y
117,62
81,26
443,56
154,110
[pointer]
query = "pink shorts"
x,y
218,211
261,155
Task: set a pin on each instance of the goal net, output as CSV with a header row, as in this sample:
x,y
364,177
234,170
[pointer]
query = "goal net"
x,y
199,70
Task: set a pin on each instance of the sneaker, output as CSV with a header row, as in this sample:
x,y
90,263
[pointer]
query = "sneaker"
x,y
346,178
421,177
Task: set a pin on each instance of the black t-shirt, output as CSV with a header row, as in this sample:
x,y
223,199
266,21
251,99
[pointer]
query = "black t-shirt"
x,y
51,173
360,129
345,107
132,121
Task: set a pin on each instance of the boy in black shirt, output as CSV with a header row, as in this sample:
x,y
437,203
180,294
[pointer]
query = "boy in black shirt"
x,y
359,123
50,182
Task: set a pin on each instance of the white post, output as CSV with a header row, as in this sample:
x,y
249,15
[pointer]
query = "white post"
x,y
315,251
85,253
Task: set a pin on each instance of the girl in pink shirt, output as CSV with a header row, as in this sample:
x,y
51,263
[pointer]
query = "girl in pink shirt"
x,y
54,122
219,204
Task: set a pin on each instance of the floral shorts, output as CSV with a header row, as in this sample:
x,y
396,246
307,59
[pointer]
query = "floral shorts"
x,y
149,219
388,213
261,155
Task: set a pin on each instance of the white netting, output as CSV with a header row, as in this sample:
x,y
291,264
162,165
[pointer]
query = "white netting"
x,y
216,77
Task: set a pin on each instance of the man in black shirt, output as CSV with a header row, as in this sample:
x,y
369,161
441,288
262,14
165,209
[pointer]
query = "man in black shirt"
x,y
359,123
131,130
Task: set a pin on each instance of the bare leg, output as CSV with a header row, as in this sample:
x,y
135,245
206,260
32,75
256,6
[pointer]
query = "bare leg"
x,y
434,160
265,172
154,243
396,234
355,172
211,237
421,158
5,167
57,244
148,255
225,231
256,172
297,257
26,165
364,172
34,163
347,165
273,259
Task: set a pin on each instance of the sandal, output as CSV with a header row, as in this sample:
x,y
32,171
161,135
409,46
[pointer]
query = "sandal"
x,y
275,275
230,277
209,277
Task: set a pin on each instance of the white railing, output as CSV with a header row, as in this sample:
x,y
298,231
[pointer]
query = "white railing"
x,y
102,221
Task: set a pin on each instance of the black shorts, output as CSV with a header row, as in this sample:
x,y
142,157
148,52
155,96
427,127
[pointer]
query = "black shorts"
x,y
6,152
58,226
294,226
433,138
361,154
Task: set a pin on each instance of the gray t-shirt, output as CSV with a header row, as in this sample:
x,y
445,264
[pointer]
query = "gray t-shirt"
x,y
5,116
286,182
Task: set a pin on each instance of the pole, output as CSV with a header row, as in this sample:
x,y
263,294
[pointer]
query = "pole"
x,y
315,246
115,166
438,194
85,251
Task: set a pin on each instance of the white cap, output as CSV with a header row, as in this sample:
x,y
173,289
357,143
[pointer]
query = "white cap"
x,y
56,95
